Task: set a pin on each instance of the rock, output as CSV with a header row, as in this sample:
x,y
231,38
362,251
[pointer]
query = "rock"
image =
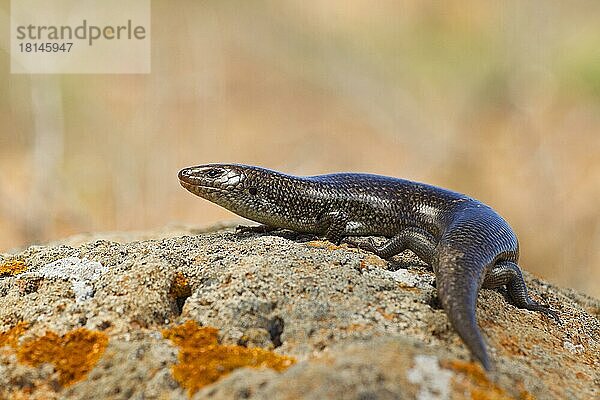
x,y
358,327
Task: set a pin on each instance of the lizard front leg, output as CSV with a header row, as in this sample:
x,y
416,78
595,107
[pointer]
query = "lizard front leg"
x,y
333,225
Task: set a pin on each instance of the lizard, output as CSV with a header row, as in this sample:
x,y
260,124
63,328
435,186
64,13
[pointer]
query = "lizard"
x,y
467,244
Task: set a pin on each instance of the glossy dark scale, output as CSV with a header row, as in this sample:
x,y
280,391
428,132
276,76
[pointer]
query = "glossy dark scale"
x,y
467,244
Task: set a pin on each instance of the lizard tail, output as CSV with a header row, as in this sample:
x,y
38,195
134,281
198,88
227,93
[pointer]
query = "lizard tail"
x,y
458,278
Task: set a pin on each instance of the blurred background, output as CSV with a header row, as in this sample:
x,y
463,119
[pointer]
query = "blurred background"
x,y
499,100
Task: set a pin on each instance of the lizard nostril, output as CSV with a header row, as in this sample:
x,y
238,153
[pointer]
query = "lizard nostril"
x,y
185,175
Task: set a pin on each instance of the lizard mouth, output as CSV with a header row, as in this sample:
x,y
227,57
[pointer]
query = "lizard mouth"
x,y
198,189
192,185
188,180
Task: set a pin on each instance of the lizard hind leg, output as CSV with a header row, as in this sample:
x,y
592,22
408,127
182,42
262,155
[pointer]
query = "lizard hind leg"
x,y
508,273
415,239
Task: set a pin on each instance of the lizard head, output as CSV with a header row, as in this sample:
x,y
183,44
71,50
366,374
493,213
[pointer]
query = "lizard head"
x,y
213,181
238,188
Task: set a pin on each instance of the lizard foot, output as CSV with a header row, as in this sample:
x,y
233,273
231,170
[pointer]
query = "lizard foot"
x,y
368,245
544,309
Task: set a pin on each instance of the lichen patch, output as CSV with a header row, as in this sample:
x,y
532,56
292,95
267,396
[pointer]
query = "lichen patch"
x,y
12,267
180,286
81,272
203,360
470,378
11,336
73,354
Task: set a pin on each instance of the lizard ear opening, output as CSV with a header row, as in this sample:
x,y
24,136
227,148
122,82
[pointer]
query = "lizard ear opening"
x,y
252,190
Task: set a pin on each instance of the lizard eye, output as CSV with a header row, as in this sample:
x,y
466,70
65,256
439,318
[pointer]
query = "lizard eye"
x,y
252,190
214,172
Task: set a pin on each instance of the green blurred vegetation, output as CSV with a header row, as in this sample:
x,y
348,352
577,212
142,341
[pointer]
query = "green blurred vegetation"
x,y
499,100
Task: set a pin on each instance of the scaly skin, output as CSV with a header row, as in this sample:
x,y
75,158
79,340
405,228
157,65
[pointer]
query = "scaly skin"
x,y
467,244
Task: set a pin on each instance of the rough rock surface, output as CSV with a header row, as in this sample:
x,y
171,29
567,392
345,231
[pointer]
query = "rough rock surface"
x,y
358,326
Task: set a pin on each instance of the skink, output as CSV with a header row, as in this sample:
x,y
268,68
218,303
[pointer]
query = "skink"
x,y
468,245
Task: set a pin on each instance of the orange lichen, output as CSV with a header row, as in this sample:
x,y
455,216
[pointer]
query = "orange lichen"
x,y
511,346
318,244
321,244
356,327
73,355
180,287
11,336
11,268
525,395
375,261
475,381
202,360
388,316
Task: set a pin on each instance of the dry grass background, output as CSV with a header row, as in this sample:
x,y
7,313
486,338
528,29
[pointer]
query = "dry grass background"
x,y
499,100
